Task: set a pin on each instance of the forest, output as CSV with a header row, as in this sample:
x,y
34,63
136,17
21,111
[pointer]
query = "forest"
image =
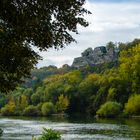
x,y
107,90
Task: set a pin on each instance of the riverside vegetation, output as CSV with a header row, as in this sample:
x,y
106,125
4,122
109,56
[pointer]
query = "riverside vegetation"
x,y
49,134
107,90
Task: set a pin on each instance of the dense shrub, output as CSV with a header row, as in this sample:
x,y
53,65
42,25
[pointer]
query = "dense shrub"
x,y
49,134
132,107
47,108
8,109
31,111
109,109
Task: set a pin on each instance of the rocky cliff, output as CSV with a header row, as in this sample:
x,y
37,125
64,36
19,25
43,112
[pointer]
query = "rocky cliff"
x,y
97,56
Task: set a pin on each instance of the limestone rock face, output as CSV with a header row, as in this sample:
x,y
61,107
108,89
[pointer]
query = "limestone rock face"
x,y
79,62
97,56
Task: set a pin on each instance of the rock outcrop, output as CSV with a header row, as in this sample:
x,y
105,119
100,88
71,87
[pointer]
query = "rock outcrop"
x,y
97,56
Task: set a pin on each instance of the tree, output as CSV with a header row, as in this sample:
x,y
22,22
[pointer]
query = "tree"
x,y
41,23
35,98
130,69
109,109
9,109
24,102
47,108
132,107
2,100
31,111
90,84
62,103
128,45
111,94
110,45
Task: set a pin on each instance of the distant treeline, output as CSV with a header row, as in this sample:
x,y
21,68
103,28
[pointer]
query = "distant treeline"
x,y
107,90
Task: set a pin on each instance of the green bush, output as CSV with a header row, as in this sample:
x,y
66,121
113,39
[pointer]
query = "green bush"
x,y
47,108
49,134
8,109
109,109
31,111
132,107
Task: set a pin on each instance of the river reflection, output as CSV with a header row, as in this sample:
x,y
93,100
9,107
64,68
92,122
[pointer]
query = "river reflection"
x,y
72,128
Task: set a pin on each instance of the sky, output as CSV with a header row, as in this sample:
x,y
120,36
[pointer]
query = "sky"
x,y
111,20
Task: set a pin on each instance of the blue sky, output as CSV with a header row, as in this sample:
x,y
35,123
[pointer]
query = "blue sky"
x,y
112,20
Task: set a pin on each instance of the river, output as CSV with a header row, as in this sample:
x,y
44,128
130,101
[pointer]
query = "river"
x,y
22,128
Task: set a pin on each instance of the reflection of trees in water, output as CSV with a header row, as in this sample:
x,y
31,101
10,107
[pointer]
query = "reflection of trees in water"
x,y
134,127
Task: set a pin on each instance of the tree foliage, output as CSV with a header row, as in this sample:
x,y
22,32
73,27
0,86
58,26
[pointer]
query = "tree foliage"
x,y
109,109
132,107
35,98
9,109
62,103
105,93
130,68
47,108
45,24
24,102
31,111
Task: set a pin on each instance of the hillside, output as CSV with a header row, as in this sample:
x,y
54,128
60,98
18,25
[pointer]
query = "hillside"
x,y
108,89
96,60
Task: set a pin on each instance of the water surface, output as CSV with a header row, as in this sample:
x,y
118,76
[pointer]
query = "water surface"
x,y
71,128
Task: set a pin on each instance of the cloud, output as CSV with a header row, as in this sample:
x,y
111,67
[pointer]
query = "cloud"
x,y
118,22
